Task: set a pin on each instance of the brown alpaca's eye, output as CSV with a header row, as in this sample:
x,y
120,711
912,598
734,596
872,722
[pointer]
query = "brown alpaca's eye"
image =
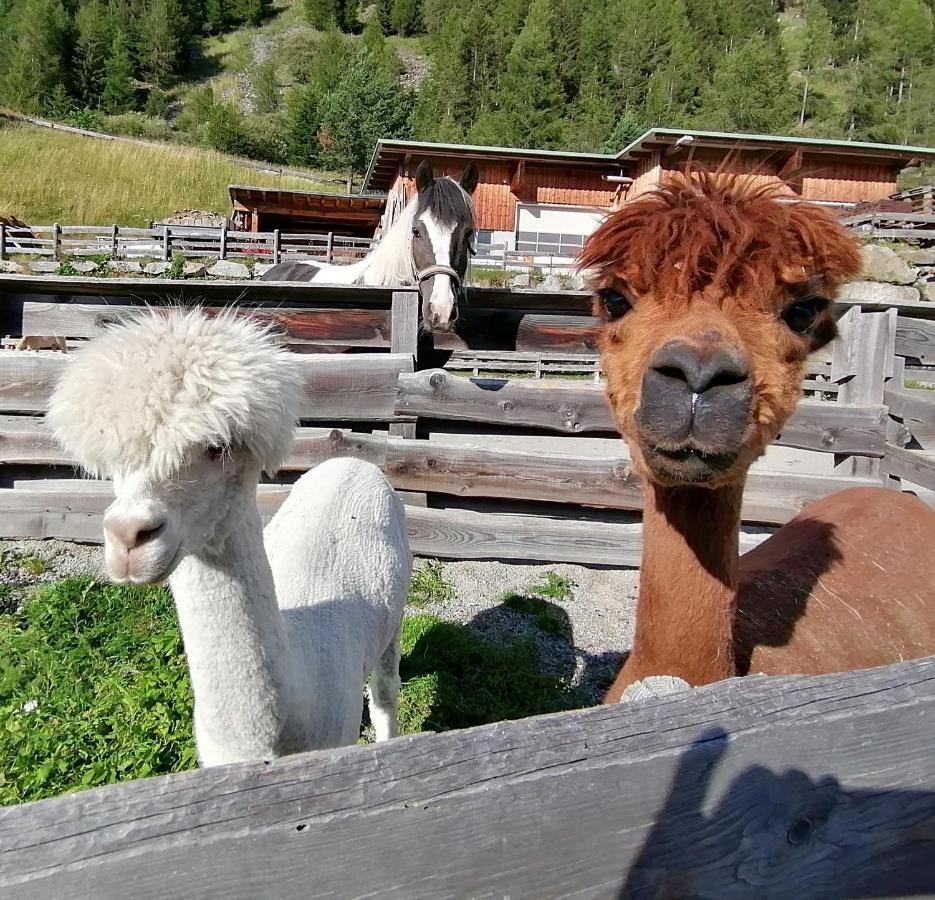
x,y
615,303
801,316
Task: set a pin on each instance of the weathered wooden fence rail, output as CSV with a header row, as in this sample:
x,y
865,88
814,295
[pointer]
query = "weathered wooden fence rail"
x,y
502,465
755,788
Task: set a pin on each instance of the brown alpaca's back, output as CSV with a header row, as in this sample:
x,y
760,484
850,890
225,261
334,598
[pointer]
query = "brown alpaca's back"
x,y
848,584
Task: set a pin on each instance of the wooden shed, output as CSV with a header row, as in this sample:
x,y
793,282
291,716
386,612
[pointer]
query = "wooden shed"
x,y
266,209
542,201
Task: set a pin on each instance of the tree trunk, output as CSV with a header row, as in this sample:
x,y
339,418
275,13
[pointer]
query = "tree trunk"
x,y
804,99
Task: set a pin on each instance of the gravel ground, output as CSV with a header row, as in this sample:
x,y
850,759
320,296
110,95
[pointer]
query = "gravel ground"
x,y
597,621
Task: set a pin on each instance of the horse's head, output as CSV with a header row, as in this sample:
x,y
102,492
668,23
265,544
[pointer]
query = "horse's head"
x,y
442,238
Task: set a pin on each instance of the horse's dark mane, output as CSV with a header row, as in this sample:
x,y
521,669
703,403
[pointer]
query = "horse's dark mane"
x,y
447,202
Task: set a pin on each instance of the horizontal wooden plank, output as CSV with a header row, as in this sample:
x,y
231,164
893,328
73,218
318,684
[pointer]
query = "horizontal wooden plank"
x,y
578,407
356,327
356,388
818,787
68,514
914,466
915,339
907,403
463,470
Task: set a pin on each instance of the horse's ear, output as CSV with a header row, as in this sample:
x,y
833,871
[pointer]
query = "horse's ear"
x,y
424,176
469,178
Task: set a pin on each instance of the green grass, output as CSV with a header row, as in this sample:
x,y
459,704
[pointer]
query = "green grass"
x,y
58,177
549,618
94,686
554,586
428,585
33,565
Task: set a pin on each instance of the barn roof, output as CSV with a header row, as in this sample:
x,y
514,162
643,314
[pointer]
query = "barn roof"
x,y
388,155
310,205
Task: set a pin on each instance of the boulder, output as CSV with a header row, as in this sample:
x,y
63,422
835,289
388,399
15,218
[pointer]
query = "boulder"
x,y
86,267
917,256
10,267
885,264
260,269
44,266
927,289
127,266
875,292
224,268
520,281
195,269
553,282
157,268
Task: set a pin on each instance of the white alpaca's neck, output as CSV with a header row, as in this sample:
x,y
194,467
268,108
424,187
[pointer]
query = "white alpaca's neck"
x,y
237,648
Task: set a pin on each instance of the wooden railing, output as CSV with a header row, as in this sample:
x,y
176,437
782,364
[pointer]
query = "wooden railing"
x,y
914,226
755,788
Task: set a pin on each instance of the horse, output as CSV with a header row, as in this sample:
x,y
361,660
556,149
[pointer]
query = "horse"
x,y
428,245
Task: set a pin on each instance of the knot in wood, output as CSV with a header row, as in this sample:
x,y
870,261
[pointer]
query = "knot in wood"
x,y
800,831
437,380
828,438
431,463
335,437
507,405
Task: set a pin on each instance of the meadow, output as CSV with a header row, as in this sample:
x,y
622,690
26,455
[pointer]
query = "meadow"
x,y
53,176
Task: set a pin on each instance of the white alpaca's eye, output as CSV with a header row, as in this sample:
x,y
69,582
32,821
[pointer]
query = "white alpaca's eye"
x,y
215,452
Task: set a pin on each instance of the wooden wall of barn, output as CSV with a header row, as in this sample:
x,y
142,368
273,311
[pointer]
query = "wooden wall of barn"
x,y
495,202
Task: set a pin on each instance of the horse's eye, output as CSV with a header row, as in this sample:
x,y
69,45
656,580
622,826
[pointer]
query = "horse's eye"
x,y
416,233
801,316
615,303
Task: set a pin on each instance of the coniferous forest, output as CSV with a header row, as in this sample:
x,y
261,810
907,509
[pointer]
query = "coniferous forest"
x,y
332,76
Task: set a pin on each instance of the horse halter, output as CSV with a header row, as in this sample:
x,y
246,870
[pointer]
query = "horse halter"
x,y
438,269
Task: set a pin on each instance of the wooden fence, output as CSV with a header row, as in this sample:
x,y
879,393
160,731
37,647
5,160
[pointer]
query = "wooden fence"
x,y
917,227
755,788
498,434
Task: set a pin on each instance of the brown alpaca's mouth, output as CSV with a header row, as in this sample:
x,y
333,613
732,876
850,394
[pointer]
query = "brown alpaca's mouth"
x,y
688,464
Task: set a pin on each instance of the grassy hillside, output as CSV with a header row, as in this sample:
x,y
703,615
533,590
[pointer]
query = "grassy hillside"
x,y
55,177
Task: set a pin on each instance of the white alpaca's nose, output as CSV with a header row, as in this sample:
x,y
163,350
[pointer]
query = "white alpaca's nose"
x,y
131,531
137,543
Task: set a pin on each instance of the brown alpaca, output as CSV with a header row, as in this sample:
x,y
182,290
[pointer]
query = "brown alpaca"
x,y
41,342
714,295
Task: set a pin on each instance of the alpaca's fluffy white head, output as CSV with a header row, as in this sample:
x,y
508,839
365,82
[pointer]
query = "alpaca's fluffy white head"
x,y
146,394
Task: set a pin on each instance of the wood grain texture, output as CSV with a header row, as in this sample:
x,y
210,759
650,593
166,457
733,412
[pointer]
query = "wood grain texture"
x,y
764,788
914,466
345,327
915,339
577,408
361,387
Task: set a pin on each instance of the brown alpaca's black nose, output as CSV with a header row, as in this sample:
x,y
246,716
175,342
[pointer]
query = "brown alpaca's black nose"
x,y
696,394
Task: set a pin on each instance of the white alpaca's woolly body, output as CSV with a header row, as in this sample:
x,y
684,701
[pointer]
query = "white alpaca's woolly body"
x,y
280,627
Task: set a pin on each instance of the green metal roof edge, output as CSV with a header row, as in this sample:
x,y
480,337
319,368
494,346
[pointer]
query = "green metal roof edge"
x,y
610,158
898,149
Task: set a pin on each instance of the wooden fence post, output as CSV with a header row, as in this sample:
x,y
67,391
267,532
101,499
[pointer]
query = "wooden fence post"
x,y
166,243
404,338
56,240
504,258
862,361
224,240
277,247
115,242
2,240
329,254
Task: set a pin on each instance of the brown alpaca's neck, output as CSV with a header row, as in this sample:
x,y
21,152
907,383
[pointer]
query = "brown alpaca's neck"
x,y
688,584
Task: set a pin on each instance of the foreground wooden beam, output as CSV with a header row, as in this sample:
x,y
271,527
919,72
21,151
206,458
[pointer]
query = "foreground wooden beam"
x,y
752,788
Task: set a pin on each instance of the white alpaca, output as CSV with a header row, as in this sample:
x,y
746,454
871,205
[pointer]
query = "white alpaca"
x,y
184,411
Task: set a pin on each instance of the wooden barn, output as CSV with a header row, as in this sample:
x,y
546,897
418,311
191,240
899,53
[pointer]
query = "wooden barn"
x,y
540,201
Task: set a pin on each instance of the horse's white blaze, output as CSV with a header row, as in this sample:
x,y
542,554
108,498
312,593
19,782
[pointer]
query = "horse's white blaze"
x,y
442,301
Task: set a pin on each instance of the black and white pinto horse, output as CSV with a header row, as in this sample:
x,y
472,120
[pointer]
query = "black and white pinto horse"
x,y
428,245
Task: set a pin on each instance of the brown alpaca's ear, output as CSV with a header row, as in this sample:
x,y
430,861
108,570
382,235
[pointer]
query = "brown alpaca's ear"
x,y
832,252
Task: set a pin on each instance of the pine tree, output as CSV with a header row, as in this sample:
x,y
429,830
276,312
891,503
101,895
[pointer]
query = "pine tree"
x,y
266,86
35,54
321,13
303,123
406,17
331,59
749,91
532,96
117,92
817,48
367,104
91,50
227,131
384,15
160,40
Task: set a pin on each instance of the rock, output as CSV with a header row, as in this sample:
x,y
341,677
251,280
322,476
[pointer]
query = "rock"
x,y
86,267
195,269
580,281
874,292
44,266
9,267
260,269
126,265
927,289
520,281
157,268
224,268
884,264
917,256
552,282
